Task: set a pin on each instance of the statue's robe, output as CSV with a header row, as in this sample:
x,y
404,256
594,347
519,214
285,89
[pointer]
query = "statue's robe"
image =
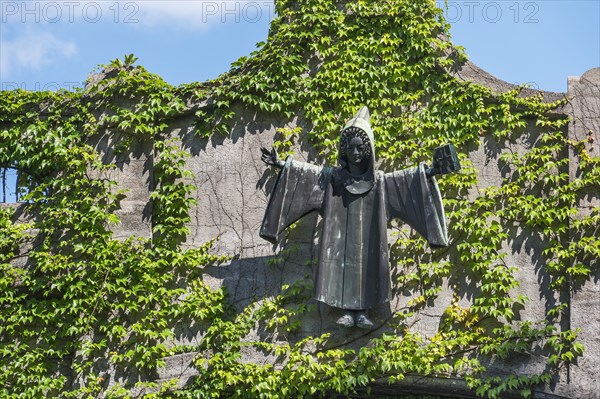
x,y
353,268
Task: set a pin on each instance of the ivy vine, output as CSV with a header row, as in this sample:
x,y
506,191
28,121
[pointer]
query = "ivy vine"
x,y
79,306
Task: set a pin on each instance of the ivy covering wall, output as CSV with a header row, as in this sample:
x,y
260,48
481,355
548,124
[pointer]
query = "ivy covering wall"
x,y
76,303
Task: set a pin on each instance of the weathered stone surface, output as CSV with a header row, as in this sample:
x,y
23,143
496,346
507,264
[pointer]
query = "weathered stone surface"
x,y
178,367
472,73
583,378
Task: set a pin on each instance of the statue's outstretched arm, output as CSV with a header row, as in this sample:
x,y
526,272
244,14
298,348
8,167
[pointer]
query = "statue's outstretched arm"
x,y
271,157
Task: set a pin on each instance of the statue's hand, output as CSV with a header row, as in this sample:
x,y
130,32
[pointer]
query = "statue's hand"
x,y
271,157
430,172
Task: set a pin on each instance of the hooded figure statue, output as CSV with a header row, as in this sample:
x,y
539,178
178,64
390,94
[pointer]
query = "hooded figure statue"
x,y
356,202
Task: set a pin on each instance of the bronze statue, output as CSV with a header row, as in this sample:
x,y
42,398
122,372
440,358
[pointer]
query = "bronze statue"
x,y
356,202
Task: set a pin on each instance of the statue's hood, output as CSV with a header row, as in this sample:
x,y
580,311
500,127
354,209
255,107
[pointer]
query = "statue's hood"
x,y
364,183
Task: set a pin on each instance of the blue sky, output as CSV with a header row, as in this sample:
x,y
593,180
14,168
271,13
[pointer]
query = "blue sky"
x,y
51,44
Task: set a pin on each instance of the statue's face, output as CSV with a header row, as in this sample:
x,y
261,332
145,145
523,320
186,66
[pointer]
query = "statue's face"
x,y
355,151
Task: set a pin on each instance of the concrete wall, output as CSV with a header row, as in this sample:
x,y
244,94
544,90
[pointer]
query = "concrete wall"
x,y
233,186
584,110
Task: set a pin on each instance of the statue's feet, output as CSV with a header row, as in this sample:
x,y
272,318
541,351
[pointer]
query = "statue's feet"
x,y
346,320
362,321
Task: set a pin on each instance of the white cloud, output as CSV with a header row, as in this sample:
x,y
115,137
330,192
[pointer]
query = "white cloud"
x,y
33,50
186,14
202,14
